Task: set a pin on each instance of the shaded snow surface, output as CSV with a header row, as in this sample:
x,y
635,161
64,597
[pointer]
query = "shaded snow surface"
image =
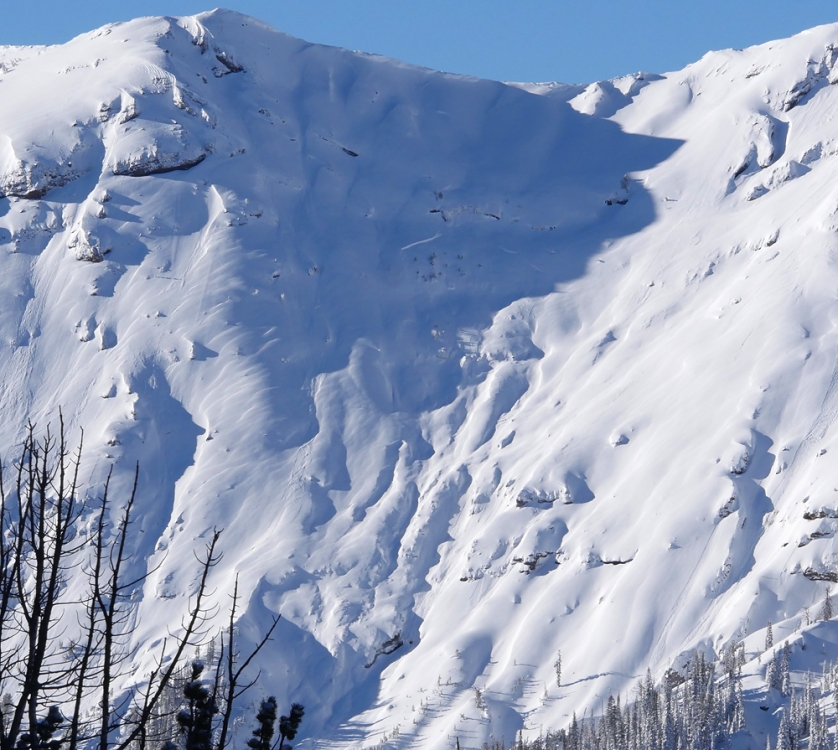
x,y
455,364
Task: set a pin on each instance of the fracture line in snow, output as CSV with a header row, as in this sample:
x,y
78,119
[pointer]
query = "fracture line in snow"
x,y
422,242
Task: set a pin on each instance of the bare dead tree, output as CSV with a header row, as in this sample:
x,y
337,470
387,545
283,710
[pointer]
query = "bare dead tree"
x,y
39,550
234,671
67,614
162,675
103,623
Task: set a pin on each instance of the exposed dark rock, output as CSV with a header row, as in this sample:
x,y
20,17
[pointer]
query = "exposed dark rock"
x,y
818,575
815,515
530,563
153,166
227,62
388,647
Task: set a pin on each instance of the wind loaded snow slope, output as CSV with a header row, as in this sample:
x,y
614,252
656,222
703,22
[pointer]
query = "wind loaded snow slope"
x,y
468,372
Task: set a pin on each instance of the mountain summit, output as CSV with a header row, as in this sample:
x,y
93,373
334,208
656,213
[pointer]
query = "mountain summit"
x,y
470,373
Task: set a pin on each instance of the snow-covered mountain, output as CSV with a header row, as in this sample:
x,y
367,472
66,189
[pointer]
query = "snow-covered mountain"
x,y
470,373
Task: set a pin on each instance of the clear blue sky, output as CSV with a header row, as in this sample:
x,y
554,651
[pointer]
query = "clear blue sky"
x,y
521,40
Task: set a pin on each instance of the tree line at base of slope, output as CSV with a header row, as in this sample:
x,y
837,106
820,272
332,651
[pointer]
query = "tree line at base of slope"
x,y
701,707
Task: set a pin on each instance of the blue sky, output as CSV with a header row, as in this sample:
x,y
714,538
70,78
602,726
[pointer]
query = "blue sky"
x,y
522,40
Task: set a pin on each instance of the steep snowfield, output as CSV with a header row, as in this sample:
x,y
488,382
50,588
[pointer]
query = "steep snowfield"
x,y
469,373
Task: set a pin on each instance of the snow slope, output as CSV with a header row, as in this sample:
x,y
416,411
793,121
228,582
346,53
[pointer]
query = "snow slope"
x,y
468,372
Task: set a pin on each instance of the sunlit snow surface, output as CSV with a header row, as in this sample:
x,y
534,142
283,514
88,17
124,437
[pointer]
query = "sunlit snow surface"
x,y
491,370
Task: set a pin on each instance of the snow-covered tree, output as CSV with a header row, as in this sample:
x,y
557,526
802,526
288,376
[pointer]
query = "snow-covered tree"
x,y
266,722
784,741
195,719
826,610
700,710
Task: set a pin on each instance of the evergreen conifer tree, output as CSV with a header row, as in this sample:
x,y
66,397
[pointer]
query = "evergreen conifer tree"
x,y
785,675
45,728
195,719
266,719
288,725
826,610
783,734
572,742
770,672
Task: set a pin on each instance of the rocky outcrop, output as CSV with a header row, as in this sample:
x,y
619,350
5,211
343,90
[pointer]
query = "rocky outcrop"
x,y
150,148
87,246
30,171
388,647
820,575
